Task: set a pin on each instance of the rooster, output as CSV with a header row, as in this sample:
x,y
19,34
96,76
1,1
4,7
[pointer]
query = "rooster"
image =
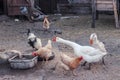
x,y
46,23
70,63
34,42
45,53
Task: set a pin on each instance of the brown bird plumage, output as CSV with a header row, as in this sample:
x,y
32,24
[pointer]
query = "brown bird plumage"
x,y
44,52
70,63
46,23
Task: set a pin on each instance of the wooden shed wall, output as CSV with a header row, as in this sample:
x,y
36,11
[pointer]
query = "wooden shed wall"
x,y
50,6
78,6
3,9
81,1
74,1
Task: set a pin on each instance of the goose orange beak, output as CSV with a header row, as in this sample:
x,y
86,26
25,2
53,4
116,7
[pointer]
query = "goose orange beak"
x,y
91,41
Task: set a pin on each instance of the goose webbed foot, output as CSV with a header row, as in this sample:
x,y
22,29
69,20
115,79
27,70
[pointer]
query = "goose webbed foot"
x,y
89,66
84,63
103,61
110,55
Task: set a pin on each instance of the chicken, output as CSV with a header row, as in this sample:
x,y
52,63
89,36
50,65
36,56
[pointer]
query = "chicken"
x,y
45,52
94,42
49,45
46,23
69,63
10,53
34,42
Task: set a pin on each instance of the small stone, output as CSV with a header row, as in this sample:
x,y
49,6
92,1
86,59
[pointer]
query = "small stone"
x,y
64,17
16,20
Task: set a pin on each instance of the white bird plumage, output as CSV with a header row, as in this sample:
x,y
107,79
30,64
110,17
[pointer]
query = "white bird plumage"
x,y
34,41
88,53
94,42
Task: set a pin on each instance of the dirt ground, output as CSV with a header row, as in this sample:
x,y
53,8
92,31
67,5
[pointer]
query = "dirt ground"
x,y
75,28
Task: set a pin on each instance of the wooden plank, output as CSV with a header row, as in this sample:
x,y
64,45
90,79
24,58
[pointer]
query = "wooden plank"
x,y
116,14
104,2
108,7
77,4
74,8
93,13
5,6
18,5
104,5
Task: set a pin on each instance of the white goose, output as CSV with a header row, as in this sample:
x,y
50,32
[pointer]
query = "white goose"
x,y
88,53
94,42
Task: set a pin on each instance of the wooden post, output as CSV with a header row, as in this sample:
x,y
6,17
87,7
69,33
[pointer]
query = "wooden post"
x,y
115,13
5,6
97,15
58,8
93,13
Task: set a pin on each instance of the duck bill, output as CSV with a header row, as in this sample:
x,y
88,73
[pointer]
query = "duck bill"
x,y
91,42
